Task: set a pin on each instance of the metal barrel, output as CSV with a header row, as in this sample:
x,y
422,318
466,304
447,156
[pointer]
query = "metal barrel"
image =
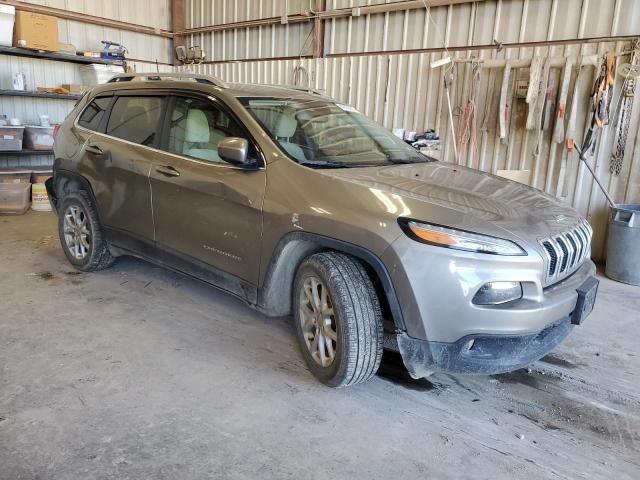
x,y
623,244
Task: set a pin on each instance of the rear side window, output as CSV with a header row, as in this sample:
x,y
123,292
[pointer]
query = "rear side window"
x,y
94,113
135,119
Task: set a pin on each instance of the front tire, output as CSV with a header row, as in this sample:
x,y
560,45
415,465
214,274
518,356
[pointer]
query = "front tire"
x,y
81,235
338,319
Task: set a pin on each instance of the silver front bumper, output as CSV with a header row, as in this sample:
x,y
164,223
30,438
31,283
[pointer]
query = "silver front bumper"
x,y
436,286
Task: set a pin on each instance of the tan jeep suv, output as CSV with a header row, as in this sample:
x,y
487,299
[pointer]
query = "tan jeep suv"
x,y
302,206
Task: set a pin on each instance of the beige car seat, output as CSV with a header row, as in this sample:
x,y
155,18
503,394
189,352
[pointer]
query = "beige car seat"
x,y
284,129
198,141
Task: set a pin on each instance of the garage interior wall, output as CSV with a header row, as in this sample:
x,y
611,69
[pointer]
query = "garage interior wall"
x,y
143,48
380,63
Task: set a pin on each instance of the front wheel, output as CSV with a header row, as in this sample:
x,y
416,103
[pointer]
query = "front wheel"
x,y
338,319
81,234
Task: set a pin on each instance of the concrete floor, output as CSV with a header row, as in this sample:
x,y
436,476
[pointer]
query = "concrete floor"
x,y
139,373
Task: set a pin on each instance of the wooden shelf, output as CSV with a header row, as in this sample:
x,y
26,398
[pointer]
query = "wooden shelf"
x,y
23,93
58,57
26,152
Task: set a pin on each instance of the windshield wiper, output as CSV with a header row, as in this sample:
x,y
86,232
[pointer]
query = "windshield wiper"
x,y
327,163
404,161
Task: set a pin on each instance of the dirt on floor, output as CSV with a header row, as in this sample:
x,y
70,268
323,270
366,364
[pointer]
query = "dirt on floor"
x,y
140,373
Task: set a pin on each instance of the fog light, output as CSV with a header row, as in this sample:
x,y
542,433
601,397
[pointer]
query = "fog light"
x,y
496,293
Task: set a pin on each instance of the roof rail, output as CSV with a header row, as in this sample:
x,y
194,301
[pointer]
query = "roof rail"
x,y
155,76
306,89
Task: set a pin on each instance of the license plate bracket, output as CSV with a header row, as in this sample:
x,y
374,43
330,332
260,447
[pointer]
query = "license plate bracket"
x,y
587,293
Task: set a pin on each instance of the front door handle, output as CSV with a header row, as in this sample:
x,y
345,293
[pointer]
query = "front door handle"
x,y
168,171
93,149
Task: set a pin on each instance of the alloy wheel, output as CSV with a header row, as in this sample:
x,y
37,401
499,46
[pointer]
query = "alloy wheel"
x,y
318,322
77,235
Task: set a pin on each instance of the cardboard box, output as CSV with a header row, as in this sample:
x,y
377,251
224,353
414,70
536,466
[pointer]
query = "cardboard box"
x,y
36,31
38,138
41,176
7,19
11,138
75,88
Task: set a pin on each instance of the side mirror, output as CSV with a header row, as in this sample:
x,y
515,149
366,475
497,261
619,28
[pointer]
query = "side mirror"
x,y
235,151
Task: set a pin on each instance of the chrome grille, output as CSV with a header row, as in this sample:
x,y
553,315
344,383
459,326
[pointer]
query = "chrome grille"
x,y
567,251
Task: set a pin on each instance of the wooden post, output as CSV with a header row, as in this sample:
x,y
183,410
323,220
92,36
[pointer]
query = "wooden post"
x,y
318,30
177,25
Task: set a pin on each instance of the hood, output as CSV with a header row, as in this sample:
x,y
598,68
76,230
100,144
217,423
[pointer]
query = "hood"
x,y
465,198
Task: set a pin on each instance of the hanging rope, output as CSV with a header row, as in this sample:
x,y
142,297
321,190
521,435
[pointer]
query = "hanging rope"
x,y
468,122
624,114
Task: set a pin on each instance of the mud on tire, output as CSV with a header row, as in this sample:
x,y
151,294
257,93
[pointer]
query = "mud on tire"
x,y
81,235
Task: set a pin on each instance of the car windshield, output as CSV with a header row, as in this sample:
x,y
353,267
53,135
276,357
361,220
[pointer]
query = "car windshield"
x,y
324,134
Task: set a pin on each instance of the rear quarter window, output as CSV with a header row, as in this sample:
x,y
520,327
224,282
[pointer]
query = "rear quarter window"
x,y
91,117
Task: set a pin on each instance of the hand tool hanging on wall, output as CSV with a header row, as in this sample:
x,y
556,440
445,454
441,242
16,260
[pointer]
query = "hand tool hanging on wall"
x,y
603,90
631,73
602,94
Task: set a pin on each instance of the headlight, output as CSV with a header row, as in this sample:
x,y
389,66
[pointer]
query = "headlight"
x,y
496,293
458,239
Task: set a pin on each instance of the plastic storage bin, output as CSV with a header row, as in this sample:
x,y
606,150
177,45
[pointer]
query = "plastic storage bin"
x,y
14,198
7,20
15,175
38,138
11,138
97,73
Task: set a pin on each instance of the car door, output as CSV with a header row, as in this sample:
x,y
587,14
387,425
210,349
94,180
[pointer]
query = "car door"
x,y
117,161
203,207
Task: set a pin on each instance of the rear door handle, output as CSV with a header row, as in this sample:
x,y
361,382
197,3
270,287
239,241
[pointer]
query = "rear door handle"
x,y
93,149
168,171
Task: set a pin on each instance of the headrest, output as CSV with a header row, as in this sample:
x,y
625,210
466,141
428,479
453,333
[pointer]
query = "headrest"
x,y
197,128
286,124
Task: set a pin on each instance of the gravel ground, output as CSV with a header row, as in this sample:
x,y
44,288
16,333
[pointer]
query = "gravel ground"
x,y
139,373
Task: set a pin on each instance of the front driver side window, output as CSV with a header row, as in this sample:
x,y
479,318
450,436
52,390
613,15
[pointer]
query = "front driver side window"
x,y
196,128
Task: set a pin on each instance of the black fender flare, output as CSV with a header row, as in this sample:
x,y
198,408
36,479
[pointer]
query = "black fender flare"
x,y
274,298
58,186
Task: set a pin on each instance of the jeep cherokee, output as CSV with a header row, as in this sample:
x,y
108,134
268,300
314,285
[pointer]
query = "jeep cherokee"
x,y
302,206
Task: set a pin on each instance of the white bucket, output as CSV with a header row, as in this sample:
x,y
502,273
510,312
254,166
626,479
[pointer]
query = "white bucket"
x,y
39,198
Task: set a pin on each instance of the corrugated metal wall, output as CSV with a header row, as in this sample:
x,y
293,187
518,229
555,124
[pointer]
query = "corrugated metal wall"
x,y
508,21
259,42
156,13
401,90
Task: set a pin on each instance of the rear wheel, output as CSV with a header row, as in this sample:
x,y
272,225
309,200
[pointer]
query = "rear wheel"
x,y
338,319
81,234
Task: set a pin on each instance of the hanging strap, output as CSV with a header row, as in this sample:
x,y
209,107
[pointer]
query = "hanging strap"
x,y
504,91
559,128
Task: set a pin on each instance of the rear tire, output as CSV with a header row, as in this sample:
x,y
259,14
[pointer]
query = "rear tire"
x,y
338,319
81,235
